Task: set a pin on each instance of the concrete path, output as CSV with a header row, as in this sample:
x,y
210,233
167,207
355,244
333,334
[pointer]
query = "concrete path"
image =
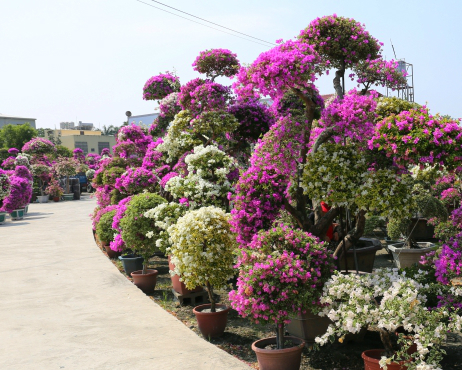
x,y
63,304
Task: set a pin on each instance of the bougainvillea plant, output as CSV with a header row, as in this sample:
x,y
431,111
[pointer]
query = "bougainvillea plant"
x,y
5,185
216,62
202,249
158,87
39,145
65,167
281,272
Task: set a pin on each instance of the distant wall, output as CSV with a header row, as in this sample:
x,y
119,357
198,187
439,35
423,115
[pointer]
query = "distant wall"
x,y
16,121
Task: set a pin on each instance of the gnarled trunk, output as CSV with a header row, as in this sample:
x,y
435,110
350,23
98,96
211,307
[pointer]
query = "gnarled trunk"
x,y
353,236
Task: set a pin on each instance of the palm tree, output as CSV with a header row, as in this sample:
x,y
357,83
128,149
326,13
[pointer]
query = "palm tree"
x,y
110,130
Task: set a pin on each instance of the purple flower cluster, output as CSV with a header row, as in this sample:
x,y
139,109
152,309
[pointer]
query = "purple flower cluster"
x,y
200,96
158,87
91,160
170,105
416,137
292,64
13,151
134,181
257,201
39,145
282,272
216,62
352,117
132,143
101,212
78,155
254,118
20,193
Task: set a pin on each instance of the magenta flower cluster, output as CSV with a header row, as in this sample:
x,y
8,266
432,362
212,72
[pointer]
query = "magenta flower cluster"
x,y
282,272
353,117
204,96
254,118
101,212
158,87
132,143
39,145
134,181
20,190
78,155
216,62
416,137
288,65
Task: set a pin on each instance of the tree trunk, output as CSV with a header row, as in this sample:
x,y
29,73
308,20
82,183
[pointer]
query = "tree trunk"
x,y
212,300
280,336
386,341
353,236
339,74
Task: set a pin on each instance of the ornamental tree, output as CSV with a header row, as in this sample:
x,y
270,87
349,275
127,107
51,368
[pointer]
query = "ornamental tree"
x,y
65,167
158,87
337,158
281,273
216,62
135,225
202,249
39,146
42,172
5,186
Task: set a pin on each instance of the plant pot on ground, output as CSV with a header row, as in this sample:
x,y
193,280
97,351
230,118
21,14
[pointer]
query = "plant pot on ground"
x,y
202,252
131,262
281,273
54,190
135,227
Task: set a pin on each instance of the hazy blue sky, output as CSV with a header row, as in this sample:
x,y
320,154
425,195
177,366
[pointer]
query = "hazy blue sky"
x,y
87,60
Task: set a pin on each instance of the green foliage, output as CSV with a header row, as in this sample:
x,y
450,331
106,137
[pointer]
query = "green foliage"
x,y
62,151
135,225
104,227
110,176
15,136
386,106
3,153
372,223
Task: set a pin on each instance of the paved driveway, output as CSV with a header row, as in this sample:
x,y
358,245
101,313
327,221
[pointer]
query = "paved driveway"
x,y
63,304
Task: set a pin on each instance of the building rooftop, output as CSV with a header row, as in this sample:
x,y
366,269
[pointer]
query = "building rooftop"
x,y
7,116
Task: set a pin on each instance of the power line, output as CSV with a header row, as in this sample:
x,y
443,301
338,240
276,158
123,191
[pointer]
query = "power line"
x,y
213,28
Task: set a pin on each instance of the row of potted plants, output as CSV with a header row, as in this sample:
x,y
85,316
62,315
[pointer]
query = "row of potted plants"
x,y
221,179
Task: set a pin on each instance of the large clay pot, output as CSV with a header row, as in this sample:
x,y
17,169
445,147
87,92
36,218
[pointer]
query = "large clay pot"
x,y
17,214
211,324
146,282
406,257
178,285
110,253
2,217
372,357
55,199
308,326
277,359
131,263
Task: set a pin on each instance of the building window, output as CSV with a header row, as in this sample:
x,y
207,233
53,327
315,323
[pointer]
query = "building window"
x,y
82,145
103,145
92,149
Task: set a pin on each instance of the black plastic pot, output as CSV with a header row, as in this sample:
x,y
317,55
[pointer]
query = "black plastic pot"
x,y
131,263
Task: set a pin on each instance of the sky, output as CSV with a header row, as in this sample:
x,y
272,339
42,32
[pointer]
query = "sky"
x,y
88,60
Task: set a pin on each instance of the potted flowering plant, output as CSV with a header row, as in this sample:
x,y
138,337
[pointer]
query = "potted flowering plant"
x,y
54,190
389,300
135,226
42,173
281,272
66,167
202,252
5,188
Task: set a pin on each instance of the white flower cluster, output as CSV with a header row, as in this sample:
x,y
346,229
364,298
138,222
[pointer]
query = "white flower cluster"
x,y
164,216
176,146
202,247
206,182
388,300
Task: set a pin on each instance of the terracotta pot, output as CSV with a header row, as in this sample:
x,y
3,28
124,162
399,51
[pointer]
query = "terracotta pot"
x,y
146,282
178,285
276,359
56,199
372,357
110,253
211,324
